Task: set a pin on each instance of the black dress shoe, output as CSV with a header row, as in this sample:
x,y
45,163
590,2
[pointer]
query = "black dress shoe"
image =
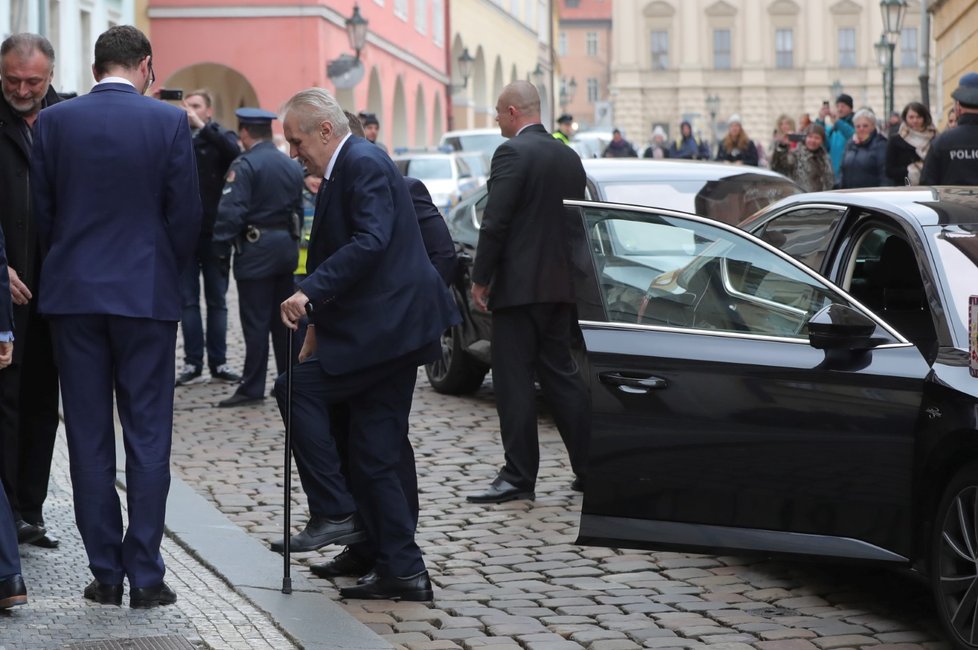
x,y
414,588
47,540
13,592
239,400
104,594
500,491
320,532
370,576
27,533
347,563
578,484
148,597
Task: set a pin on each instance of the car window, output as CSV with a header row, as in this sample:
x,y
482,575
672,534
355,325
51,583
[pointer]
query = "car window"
x,y
729,199
803,233
672,271
883,273
955,249
429,168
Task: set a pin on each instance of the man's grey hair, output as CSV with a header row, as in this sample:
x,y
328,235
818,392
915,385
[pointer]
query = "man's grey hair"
x,y
25,44
314,106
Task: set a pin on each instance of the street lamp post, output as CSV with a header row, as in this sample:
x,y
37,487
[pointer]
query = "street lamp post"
x,y
567,92
465,61
882,49
713,107
836,90
347,71
893,12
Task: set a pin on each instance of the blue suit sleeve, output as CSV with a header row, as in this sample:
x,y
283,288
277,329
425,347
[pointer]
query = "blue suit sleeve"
x,y
42,194
368,197
434,231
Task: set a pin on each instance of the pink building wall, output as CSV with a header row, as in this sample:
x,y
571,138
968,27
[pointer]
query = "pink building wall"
x,y
276,55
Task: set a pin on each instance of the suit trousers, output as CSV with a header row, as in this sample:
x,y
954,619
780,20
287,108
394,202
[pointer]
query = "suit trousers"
x,y
29,420
536,340
135,358
379,403
9,555
258,305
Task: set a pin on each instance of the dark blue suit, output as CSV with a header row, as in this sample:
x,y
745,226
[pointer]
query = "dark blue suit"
x,y
9,556
118,212
380,307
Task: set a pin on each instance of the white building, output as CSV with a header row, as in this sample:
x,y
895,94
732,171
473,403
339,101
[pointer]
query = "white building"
x,y
72,27
761,58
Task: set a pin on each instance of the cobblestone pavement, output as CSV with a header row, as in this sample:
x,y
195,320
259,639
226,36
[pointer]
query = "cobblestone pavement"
x,y
207,614
511,576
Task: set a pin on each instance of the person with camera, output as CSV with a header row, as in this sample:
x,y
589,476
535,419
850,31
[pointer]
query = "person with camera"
x,y
259,213
807,164
838,134
215,148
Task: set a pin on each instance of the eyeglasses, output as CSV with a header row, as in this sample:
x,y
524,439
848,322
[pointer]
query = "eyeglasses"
x,y
152,75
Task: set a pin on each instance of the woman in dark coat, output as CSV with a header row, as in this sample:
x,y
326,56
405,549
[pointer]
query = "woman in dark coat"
x,y
864,160
736,147
906,150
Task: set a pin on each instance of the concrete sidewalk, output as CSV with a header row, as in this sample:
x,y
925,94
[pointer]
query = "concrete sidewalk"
x,y
228,586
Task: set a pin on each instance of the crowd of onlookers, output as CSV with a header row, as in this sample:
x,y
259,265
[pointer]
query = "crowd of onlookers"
x,y
841,148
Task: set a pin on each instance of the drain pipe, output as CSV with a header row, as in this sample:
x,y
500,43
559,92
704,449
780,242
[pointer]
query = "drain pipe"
x,y
924,76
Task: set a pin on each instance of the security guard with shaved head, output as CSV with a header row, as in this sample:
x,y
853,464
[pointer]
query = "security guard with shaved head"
x,y
259,214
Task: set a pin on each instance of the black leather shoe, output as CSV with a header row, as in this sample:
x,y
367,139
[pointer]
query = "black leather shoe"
x,y
578,484
500,491
104,594
347,563
320,532
370,576
239,400
415,588
148,597
27,533
13,592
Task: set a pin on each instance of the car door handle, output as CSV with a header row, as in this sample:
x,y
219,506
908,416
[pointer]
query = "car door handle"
x,y
635,385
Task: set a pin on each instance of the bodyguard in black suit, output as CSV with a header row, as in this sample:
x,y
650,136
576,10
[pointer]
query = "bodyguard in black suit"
x,y
29,388
380,308
12,589
259,212
523,273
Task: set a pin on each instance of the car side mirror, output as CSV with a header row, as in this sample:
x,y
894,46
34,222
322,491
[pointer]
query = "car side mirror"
x,y
840,327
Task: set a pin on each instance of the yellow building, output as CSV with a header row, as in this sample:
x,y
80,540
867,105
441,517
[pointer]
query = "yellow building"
x,y
955,26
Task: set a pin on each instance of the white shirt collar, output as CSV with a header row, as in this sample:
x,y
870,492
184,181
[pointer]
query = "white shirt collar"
x,y
332,160
526,127
115,80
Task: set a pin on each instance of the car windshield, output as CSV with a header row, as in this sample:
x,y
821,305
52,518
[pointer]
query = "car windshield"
x,y
486,142
729,199
955,250
429,168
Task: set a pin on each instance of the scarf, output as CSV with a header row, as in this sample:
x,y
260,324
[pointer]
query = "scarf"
x,y
920,141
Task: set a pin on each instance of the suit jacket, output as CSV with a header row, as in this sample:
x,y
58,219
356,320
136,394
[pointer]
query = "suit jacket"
x,y
524,249
376,295
6,302
117,207
434,231
15,209
215,148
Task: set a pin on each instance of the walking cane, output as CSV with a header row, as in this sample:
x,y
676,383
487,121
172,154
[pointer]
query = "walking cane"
x,y
287,566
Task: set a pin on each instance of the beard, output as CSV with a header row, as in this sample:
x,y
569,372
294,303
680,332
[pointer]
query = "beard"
x,y
24,107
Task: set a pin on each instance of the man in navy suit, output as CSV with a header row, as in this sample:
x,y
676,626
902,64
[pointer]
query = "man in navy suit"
x,y
379,308
114,183
13,592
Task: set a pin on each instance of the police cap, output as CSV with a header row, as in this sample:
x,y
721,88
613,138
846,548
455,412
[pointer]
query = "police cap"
x,y
255,116
566,118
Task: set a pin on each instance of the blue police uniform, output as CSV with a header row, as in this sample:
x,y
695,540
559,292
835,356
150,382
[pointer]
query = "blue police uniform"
x,y
260,205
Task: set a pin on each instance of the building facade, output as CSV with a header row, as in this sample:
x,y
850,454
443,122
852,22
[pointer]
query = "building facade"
x,y
508,40
72,27
583,49
261,54
760,58
955,29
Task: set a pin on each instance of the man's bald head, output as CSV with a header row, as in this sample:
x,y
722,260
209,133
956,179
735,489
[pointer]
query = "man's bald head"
x,y
518,106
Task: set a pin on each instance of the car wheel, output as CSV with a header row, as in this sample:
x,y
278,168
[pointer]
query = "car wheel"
x,y
455,372
954,559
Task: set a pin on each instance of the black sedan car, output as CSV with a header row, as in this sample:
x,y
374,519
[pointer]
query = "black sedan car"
x,y
724,192
742,402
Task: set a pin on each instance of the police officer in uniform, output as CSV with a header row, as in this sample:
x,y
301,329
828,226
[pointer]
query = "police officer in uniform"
x,y
258,213
953,155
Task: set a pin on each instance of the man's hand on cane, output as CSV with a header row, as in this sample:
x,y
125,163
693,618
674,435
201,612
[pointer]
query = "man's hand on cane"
x,y
293,309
